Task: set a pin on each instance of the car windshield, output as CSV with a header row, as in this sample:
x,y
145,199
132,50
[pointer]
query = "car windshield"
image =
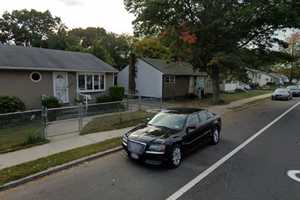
x,y
169,120
281,91
292,88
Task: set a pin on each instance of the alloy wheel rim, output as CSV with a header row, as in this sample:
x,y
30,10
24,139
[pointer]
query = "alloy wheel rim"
x,y
176,156
216,136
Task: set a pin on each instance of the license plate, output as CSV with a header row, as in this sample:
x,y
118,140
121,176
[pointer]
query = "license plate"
x,y
134,156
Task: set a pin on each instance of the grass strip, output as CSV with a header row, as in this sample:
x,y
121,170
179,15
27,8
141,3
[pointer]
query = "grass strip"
x,y
117,121
32,167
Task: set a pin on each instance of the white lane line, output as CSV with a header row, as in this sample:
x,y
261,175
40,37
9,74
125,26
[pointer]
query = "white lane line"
x,y
293,175
208,171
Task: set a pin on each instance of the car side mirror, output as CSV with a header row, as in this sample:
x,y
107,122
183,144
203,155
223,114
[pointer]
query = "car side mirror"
x,y
190,128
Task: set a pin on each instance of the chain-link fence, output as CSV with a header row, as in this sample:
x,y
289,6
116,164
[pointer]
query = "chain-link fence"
x,y
32,126
21,129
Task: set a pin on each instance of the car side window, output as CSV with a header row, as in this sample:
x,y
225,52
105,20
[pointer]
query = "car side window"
x,y
203,116
193,120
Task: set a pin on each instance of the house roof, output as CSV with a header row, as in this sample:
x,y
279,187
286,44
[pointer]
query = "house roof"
x,y
173,68
24,58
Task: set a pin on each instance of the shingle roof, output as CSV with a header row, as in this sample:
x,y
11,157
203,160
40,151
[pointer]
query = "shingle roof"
x,y
19,57
173,68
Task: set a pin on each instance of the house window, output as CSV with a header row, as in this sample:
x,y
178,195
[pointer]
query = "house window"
x,y
81,82
170,79
91,82
35,77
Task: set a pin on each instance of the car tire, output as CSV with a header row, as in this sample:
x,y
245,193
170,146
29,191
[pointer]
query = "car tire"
x,y
175,157
215,136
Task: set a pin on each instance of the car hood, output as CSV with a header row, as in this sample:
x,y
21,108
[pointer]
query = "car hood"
x,y
147,133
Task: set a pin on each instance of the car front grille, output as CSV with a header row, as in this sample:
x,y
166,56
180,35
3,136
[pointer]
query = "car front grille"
x,y
136,147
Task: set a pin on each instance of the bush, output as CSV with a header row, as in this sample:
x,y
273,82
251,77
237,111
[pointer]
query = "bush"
x,y
50,102
11,104
117,93
104,99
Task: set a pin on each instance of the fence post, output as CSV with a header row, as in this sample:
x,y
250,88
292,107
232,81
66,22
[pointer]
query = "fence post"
x,y
80,115
45,121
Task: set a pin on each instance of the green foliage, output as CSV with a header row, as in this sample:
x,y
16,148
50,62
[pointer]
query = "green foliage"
x,y
28,27
33,139
105,99
212,34
152,48
11,104
117,93
51,102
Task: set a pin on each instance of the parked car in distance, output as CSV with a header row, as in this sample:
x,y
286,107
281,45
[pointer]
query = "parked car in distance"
x,y
170,133
282,94
295,90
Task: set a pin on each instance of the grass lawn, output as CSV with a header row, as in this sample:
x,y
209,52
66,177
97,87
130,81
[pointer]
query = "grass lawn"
x,y
116,121
228,98
20,136
32,167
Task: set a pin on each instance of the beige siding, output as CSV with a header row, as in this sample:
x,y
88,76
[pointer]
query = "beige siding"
x,y
109,80
18,83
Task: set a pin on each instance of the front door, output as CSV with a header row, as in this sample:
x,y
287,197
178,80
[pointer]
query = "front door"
x,y
61,91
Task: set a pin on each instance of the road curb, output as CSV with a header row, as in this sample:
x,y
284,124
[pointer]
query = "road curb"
x,y
56,169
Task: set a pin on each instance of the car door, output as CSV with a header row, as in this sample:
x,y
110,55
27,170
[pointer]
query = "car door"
x,y
205,123
192,130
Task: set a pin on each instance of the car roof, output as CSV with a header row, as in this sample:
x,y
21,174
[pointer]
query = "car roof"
x,y
182,110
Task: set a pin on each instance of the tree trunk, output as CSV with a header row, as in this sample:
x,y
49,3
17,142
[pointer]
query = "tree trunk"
x,y
132,75
216,84
292,72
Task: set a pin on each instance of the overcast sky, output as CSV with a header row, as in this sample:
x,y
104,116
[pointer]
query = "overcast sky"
x,y
109,14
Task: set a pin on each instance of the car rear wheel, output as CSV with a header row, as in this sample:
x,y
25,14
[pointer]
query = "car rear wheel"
x,y
175,157
215,137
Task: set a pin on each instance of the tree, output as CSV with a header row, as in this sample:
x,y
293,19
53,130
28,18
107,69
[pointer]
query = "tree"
x,y
293,51
151,47
212,34
28,27
110,47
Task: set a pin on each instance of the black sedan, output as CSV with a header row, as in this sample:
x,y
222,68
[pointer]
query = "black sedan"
x,y
170,133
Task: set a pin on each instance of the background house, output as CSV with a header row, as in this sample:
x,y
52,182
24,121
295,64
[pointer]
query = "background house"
x,y
29,73
260,78
157,78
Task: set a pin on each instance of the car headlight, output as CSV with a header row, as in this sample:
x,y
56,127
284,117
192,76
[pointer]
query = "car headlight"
x,y
157,147
125,138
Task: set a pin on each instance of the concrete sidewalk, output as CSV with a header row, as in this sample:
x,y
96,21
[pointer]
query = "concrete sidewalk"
x,y
66,142
56,145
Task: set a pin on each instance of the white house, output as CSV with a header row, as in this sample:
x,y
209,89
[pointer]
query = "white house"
x,y
156,78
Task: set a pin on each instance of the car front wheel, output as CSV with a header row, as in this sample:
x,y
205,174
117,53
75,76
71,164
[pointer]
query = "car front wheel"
x,y
215,138
175,157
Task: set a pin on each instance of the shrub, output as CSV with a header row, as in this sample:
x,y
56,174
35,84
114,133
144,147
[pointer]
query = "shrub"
x,y
104,99
11,104
117,93
50,102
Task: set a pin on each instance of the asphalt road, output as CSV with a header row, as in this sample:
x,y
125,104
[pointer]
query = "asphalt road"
x,y
256,172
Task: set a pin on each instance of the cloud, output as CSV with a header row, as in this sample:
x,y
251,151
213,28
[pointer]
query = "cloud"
x,y
71,2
